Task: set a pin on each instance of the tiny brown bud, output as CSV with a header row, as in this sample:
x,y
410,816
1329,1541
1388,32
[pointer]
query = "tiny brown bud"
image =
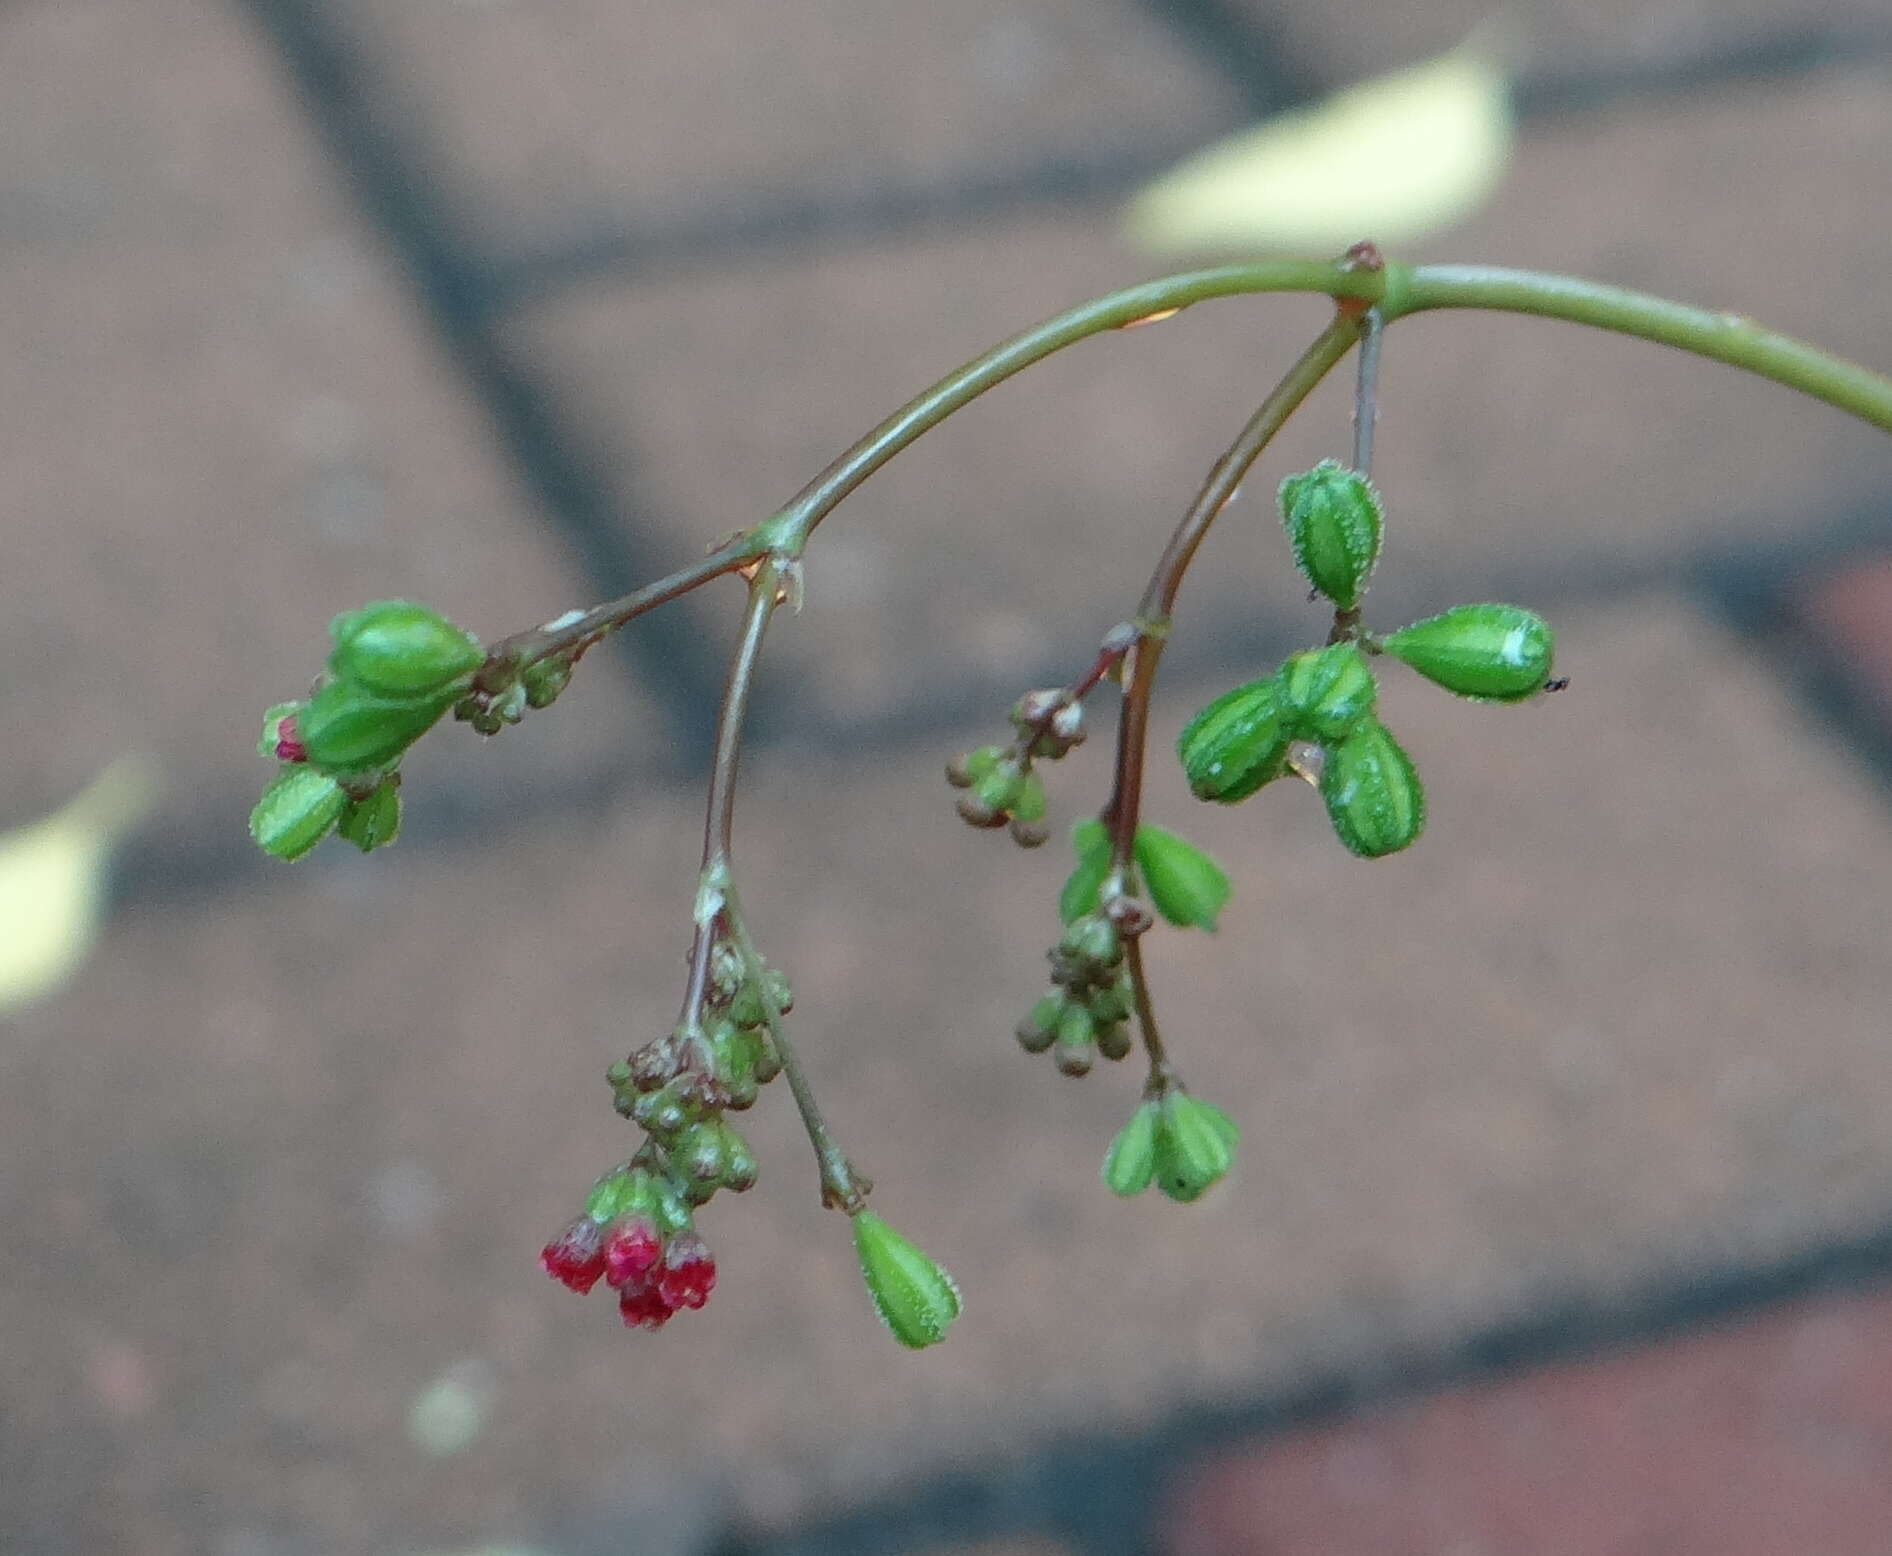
x,y
976,813
1130,916
1030,834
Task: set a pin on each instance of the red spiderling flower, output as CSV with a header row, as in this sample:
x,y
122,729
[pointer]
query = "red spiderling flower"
x,y
632,1248
642,1306
576,1256
689,1273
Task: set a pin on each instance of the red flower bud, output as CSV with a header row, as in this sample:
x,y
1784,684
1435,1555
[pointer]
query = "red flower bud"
x,y
575,1257
641,1306
631,1249
289,742
689,1273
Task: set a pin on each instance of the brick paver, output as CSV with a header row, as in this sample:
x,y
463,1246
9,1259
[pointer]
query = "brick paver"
x,y
223,419
1616,1016
1746,1440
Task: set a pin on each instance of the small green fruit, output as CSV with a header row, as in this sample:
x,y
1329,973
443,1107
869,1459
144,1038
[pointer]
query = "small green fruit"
x,y
1195,1146
297,810
1236,744
376,821
1030,803
395,648
1187,886
1374,797
1333,518
1494,653
1130,1163
915,1297
1325,692
1040,1028
347,730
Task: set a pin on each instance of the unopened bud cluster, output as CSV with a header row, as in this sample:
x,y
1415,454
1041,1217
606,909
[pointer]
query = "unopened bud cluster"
x,y
1086,1011
1327,697
394,668
677,1089
1178,1142
1002,790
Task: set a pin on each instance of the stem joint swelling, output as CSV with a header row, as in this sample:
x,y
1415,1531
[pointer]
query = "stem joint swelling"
x,y
395,669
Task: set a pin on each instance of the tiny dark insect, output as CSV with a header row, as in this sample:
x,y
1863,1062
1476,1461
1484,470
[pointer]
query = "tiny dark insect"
x,y
1558,684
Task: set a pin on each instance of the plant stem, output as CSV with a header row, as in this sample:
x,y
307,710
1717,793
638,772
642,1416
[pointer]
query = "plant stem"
x,y
512,654
1366,409
1397,290
719,817
1159,597
1162,1073
843,1186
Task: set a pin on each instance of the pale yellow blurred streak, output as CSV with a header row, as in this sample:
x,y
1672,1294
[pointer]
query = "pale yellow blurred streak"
x,y
52,879
1392,159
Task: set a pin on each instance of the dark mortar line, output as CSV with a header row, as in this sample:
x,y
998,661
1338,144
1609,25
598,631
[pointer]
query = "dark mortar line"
x,y
1778,55
386,175
750,224
1755,603
814,220
1257,58
1740,582
1105,1492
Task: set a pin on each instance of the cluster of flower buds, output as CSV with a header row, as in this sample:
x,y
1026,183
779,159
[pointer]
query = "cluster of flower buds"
x,y
1178,1142
1086,1011
393,669
1001,788
677,1089
1327,696
638,1235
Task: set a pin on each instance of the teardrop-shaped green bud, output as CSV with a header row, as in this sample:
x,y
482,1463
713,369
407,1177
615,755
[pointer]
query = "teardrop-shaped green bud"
x,y
1187,886
1325,692
915,1297
347,730
1076,1048
1030,803
395,648
545,680
999,790
1092,940
1113,1040
1374,797
1040,1027
297,810
1195,1146
376,821
1130,1163
1082,891
1333,518
1236,744
1494,653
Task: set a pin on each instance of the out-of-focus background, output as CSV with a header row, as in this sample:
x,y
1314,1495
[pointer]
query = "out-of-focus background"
x,y
1564,1216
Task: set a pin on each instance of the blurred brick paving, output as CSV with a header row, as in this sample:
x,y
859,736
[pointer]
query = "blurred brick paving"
x,y
509,305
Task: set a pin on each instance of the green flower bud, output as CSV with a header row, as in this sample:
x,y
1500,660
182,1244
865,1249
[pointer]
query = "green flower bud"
x,y
1187,886
1113,1040
1333,519
1195,1146
1325,692
346,730
1036,1032
999,790
1093,940
1130,1163
395,648
1112,1002
620,1192
376,821
915,1298
545,680
1374,797
962,772
1076,1041
297,810
1236,744
1030,803
1494,653
1083,890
